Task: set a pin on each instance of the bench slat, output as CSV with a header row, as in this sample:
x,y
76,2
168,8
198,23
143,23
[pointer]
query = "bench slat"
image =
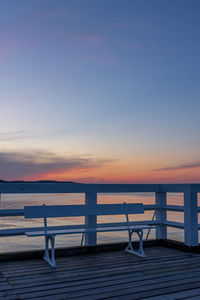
x,y
56,211
85,230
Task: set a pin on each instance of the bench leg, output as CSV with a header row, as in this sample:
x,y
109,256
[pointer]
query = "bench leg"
x,y
82,239
51,261
130,249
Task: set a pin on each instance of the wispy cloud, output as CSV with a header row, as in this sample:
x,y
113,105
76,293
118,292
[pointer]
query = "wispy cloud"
x,y
14,135
22,165
94,47
180,167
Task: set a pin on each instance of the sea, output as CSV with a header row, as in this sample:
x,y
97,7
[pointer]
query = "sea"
x,y
23,243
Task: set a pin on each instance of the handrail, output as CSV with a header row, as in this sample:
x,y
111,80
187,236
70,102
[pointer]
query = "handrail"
x,y
174,224
175,208
11,212
63,187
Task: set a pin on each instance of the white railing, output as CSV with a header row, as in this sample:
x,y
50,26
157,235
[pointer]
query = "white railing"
x,y
190,208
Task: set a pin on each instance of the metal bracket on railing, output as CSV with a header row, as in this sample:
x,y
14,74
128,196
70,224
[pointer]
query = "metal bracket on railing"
x,y
148,232
82,239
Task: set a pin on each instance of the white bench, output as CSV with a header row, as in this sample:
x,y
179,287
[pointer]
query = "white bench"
x,y
52,211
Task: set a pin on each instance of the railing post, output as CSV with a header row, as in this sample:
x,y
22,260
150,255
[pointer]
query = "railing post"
x,y
91,221
190,218
161,215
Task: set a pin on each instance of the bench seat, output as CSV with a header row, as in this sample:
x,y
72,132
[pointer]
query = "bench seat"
x,y
86,230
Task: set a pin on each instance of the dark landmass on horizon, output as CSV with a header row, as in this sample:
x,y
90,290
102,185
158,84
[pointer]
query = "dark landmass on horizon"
x,y
37,181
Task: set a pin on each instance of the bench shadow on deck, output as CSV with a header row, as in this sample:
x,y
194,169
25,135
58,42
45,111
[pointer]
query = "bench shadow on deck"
x,y
166,273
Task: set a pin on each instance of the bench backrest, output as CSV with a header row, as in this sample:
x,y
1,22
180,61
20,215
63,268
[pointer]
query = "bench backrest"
x,y
56,211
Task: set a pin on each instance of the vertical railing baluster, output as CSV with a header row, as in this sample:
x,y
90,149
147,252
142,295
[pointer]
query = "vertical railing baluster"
x,y
90,221
161,215
190,217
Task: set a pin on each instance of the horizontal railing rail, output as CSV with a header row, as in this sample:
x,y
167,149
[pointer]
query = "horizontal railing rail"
x,y
62,187
174,208
174,224
11,212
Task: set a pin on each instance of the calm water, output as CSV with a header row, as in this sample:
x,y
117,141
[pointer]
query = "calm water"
x,y
9,244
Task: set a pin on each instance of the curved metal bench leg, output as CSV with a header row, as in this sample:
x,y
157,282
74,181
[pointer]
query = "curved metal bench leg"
x,y
130,249
53,262
46,257
82,239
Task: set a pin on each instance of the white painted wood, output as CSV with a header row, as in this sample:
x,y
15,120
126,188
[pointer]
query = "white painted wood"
x,y
175,208
161,215
63,187
190,218
90,221
135,228
90,230
174,224
20,212
21,231
139,252
57,211
11,212
150,207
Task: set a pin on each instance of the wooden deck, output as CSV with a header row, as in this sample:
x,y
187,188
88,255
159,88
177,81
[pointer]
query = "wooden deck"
x,y
166,273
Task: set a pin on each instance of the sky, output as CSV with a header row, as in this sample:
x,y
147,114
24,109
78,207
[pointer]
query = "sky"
x,y
100,91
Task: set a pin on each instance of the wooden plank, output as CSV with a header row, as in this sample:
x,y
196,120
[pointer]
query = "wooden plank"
x,y
179,295
121,292
191,275
82,262
163,292
98,278
97,271
136,293
90,279
5,287
80,285
116,255
71,253
32,266
140,265
150,269
193,298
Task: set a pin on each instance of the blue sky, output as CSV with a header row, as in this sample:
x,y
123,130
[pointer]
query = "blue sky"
x,y
112,86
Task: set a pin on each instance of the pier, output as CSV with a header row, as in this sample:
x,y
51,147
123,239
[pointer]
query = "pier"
x,y
171,269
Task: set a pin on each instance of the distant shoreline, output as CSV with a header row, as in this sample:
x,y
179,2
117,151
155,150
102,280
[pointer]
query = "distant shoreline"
x,y
36,181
